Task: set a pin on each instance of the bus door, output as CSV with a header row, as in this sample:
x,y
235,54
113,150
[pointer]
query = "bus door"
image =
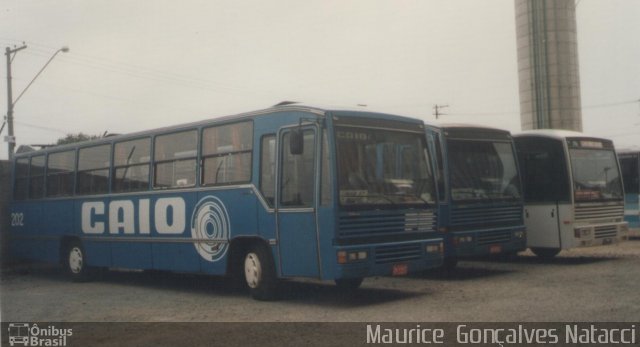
x,y
542,225
296,204
545,179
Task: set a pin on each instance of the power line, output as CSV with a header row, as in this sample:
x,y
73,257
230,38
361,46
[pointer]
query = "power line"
x,y
611,104
29,125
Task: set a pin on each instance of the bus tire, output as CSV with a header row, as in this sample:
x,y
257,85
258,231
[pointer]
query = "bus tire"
x,y
349,284
75,261
260,274
545,253
449,264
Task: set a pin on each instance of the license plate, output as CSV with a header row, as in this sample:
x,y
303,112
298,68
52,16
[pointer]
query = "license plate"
x,y
495,249
400,269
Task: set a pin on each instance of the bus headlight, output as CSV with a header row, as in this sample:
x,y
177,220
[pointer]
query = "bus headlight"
x,y
460,239
345,257
439,248
520,234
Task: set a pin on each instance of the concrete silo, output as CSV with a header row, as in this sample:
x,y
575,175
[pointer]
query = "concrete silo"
x,y
548,64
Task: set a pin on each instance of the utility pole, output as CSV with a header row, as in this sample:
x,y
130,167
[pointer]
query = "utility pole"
x,y
436,110
11,139
10,53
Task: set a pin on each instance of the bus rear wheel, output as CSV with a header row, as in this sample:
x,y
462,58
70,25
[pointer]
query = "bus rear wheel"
x,y
545,253
75,262
259,272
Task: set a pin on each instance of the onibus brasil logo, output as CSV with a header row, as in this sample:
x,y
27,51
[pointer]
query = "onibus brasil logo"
x,y
25,334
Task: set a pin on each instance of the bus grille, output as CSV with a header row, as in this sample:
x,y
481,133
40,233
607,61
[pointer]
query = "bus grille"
x,y
398,253
388,222
593,212
486,238
606,231
485,215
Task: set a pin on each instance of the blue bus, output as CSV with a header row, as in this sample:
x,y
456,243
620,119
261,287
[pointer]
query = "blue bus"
x,y
480,201
630,170
290,191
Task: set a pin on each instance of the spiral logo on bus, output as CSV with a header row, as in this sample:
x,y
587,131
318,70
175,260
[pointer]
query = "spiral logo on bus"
x,y
210,228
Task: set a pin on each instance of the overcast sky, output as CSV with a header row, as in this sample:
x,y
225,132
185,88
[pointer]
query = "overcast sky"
x,y
136,65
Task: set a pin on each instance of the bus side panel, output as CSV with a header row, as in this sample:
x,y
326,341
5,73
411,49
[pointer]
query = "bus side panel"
x,y
328,261
59,216
136,255
116,251
175,256
98,253
26,222
235,208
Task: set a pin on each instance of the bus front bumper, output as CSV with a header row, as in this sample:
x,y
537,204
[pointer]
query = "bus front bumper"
x,y
485,242
388,259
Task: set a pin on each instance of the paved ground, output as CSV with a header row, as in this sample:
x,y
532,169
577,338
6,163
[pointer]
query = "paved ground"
x,y
594,284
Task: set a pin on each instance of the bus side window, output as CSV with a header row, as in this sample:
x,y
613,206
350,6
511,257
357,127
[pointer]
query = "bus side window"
x,y
440,175
268,168
175,159
543,164
630,175
226,153
131,165
36,177
21,182
93,170
60,173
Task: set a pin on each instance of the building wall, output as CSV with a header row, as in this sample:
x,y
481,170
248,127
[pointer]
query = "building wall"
x,y
5,185
548,70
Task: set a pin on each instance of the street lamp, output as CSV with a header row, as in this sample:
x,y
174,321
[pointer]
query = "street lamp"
x,y
10,53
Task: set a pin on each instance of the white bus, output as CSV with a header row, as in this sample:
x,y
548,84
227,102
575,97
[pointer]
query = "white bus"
x,y
572,189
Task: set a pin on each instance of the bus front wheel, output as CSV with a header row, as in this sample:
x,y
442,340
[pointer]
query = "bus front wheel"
x,y
259,272
76,262
545,253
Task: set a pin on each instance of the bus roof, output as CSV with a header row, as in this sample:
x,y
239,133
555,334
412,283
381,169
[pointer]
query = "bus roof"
x,y
628,150
281,107
556,134
462,126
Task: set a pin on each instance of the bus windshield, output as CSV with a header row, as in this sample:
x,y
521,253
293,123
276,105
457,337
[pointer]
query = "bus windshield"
x,y
595,174
482,170
377,167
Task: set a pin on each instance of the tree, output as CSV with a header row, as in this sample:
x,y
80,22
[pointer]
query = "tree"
x,y
73,138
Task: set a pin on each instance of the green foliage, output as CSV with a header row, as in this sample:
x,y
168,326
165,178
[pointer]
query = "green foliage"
x,y
73,138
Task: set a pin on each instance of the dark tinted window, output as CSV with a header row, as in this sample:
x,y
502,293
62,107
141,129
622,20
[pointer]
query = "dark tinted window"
x,y
543,168
630,174
21,183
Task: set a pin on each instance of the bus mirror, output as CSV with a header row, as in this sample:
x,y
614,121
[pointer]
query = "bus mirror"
x,y
296,142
